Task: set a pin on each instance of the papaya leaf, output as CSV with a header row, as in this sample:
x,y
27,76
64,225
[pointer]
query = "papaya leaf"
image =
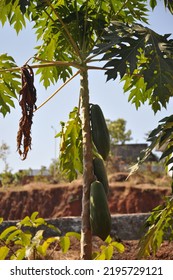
x,y
160,138
158,224
168,4
169,161
71,146
143,58
154,132
9,84
167,152
153,4
10,10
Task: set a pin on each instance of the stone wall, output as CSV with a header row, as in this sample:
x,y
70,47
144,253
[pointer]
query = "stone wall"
x,y
124,227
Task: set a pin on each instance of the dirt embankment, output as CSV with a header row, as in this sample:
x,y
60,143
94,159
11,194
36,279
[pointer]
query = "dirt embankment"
x,y
52,201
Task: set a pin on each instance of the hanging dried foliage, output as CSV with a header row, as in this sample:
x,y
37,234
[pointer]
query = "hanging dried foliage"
x,y
27,102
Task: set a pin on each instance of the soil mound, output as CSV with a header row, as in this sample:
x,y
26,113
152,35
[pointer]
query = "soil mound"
x,y
52,201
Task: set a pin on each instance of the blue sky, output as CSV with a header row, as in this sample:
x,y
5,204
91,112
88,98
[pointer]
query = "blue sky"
x,y
46,121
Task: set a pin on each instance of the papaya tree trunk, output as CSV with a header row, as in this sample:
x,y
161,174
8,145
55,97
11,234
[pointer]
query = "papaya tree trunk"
x,y
88,176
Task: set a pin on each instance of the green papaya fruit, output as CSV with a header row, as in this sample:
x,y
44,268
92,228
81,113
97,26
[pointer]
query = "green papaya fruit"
x,y
100,218
100,173
100,133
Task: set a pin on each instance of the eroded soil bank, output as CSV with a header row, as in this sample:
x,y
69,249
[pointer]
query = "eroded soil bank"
x,y
52,201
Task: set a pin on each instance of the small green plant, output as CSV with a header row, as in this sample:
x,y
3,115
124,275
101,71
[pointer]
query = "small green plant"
x,y
160,227
6,178
25,241
19,243
107,250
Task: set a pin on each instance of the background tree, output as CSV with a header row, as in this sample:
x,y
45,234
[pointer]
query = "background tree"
x,y
72,35
4,152
118,133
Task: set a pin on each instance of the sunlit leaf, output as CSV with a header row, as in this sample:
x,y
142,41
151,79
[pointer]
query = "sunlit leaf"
x,y
74,234
65,243
42,249
25,222
108,239
100,256
71,163
119,246
13,236
9,83
4,250
109,252
39,221
24,240
159,226
33,216
7,231
19,254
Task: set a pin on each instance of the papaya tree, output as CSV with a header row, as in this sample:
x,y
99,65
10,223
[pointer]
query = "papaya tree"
x,y
74,36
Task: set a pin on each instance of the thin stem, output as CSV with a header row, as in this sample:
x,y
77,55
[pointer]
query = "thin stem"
x,y
53,94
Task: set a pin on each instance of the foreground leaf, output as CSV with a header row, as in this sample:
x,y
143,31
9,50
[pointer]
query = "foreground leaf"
x,y
71,146
65,243
160,138
160,226
9,84
143,59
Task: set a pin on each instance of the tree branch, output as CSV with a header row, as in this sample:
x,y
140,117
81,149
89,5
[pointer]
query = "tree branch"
x,y
53,94
47,64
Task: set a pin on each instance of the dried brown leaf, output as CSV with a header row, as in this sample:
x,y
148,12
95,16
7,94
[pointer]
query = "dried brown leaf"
x,y
27,102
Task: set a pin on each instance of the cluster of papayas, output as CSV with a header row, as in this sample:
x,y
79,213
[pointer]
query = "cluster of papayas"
x,y
100,218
